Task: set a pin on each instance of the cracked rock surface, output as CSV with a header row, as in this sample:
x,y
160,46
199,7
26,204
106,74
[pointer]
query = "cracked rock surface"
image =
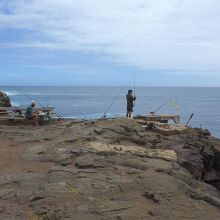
x,y
111,169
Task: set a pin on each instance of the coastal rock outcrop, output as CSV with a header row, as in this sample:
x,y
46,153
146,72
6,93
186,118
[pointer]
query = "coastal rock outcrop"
x,y
101,170
4,100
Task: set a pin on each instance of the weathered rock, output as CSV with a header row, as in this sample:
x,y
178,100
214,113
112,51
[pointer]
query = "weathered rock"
x,y
85,162
99,131
209,155
35,197
211,176
2,208
197,169
207,198
45,213
152,212
78,151
69,176
4,100
153,196
129,162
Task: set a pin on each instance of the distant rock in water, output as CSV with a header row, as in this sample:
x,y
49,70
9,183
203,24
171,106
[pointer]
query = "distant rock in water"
x,y
4,100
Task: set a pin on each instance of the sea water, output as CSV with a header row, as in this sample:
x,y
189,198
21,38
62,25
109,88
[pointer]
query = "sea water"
x,y
92,102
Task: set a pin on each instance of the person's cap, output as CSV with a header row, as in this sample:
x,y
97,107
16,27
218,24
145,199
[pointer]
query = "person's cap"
x,y
33,102
130,90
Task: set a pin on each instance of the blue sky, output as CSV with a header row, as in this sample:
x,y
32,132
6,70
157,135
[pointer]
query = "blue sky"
x,y
99,42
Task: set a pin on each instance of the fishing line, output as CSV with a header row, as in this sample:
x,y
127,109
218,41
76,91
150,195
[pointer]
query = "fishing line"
x,y
28,97
114,100
171,102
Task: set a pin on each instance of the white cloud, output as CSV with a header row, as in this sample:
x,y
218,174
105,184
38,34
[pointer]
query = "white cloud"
x,y
146,33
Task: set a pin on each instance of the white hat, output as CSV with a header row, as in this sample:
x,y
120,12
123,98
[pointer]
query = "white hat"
x,y
33,102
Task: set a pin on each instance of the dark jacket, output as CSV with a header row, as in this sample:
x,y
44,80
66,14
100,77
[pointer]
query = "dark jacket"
x,y
130,101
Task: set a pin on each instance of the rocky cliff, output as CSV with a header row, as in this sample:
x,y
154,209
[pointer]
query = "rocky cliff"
x,y
111,169
4,100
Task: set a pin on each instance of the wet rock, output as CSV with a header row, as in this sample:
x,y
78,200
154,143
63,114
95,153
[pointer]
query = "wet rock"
x,y
4,100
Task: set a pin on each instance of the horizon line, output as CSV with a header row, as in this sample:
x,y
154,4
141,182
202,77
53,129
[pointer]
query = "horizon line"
x,y
155,86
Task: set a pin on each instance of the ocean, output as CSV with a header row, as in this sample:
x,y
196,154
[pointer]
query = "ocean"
x,y
83,102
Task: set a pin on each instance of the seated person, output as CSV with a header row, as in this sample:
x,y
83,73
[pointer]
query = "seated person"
x,y
30,114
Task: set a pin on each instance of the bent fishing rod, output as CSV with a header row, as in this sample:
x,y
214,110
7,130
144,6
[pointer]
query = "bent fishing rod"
x,y
28,97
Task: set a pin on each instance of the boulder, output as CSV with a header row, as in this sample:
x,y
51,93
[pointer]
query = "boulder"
x,y
4,100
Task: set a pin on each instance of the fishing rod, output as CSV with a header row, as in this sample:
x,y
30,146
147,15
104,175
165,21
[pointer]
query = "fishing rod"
x,y
114,100
109,107
28,97
172,102
134,82
161,106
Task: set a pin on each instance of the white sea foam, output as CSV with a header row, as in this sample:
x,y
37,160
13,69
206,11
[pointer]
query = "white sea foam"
x,y
15,104
12,93
32,93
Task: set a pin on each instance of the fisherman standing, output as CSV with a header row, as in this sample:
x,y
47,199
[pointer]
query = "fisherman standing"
x,y
30,114
130,103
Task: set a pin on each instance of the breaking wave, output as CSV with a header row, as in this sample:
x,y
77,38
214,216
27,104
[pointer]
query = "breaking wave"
x,y
15,104
12,93
15,93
